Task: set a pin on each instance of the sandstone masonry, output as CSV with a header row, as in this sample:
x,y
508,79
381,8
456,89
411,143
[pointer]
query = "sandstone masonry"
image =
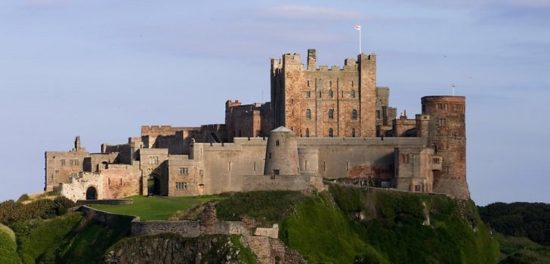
x,y
321,124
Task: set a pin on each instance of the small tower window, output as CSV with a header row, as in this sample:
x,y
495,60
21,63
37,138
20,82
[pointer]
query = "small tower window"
x,y
331,93
330,132
277,143
354,114
307,132
352,92
308,114
308,94
331,114
320,94
353,132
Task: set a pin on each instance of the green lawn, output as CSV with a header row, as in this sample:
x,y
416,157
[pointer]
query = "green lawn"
x,y
156,207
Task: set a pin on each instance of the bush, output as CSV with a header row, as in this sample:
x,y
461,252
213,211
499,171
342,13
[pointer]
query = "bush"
x,y
11,212
24,197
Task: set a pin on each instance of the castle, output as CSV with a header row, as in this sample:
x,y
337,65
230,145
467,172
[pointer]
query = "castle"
x,y
321,124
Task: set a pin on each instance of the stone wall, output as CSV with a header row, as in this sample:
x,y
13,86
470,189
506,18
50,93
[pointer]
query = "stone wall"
x,y
187,228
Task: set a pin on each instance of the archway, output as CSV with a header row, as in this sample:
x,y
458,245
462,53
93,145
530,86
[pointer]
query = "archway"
x,y
153,185
91,193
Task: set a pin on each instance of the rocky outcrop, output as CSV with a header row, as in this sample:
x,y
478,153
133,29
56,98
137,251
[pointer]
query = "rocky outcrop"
x,y
168,248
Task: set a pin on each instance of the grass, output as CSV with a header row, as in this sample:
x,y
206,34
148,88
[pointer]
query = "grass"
x,y
156,207
265,207
322,234
8,247
395,227
75,248
35,237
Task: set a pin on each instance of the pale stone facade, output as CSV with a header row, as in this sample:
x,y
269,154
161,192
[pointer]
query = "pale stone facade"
x,y
322,124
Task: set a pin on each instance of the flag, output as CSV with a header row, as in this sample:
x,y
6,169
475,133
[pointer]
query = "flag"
x,y
357,27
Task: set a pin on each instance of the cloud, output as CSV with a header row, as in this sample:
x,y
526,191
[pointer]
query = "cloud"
x,y
309,12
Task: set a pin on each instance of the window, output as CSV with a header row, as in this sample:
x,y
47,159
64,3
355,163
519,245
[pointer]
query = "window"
x,y
153,160
354,114
62,162
308,94
276,142
378,114
330,93
276,172
181,185
353,132
308,114
320,94
184,171
307,132
417,188
330,132
331,114
307,83
405,158
351,83
442,122
352,92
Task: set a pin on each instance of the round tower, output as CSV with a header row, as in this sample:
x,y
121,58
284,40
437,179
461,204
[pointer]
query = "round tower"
x,y
282,153
447,136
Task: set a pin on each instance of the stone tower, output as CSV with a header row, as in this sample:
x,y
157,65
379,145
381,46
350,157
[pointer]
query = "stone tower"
x,y
321,101
282,153
446,134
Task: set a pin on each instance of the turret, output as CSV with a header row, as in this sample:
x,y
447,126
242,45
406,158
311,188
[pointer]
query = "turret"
x,y
311,59
447,136
282,153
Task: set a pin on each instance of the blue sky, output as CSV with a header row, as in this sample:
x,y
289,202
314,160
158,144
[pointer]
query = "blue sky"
x,y
101,69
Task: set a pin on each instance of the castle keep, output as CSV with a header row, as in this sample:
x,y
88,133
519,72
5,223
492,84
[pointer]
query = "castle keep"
x,y
321,124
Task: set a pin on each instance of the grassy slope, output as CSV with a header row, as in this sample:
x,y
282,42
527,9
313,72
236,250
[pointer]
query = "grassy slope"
x,y
8,247
66,239
322,234
156,207
36,237
396,227
324,228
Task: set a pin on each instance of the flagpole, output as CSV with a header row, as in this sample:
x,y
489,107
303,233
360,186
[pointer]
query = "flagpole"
x,y
358,28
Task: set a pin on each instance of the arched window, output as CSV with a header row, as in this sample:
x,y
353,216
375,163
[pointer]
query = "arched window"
x,y
330,132
277,143
353,132
352,93
307,132
308,114
354,114
330,93
331,114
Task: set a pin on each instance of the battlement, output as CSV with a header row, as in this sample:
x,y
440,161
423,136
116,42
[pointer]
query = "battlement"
x,y
163,130
231,103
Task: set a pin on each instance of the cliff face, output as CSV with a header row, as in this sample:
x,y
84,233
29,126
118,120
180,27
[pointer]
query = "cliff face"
x,y
168,248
